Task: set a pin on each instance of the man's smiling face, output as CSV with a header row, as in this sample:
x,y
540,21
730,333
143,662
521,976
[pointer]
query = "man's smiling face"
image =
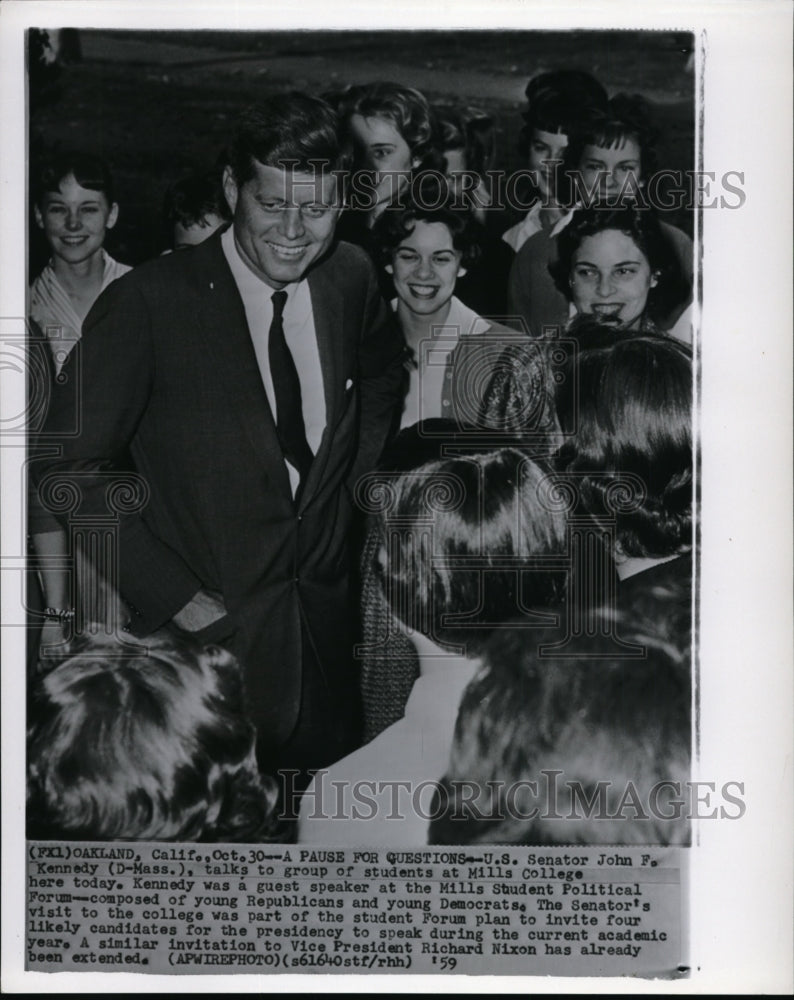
x,y
283,220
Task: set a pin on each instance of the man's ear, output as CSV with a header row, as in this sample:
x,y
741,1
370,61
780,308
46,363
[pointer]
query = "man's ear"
x,y
230,189
113,216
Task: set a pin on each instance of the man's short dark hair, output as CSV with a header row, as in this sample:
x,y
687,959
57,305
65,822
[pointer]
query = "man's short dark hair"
x,y
289,131
191,199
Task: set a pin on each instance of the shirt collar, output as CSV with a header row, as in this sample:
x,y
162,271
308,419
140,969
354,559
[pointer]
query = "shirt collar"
x,y
250,286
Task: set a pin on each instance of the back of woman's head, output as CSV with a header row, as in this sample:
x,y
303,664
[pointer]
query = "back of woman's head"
x,y
469,541
627,413
152,745
543,730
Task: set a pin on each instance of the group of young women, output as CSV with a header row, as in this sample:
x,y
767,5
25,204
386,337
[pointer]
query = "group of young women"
x,y
540,478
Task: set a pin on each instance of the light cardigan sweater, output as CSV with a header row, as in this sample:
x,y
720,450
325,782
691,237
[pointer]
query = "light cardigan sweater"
x,y
52,310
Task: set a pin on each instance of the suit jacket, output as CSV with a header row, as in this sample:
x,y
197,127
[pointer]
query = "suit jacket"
x,y
166,372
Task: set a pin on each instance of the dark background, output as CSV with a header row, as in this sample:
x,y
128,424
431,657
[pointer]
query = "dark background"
x,y
157,103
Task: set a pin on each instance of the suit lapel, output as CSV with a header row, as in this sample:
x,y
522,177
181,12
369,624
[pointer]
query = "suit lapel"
x,y
328,311
228,341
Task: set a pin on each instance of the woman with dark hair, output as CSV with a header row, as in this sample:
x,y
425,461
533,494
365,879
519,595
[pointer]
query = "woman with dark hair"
x,y
465,543
628,413
426,246
617,265
74,206
455,357
611,154
556,103
608,160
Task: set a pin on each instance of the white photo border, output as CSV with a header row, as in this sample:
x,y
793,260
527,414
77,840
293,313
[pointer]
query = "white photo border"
x,y
741,911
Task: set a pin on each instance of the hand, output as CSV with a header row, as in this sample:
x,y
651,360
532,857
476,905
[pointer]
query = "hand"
x,y
202,610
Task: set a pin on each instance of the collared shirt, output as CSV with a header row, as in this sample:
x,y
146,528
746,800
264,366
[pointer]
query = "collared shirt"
x,y
518,235
426,398
299,332
382,794
52,310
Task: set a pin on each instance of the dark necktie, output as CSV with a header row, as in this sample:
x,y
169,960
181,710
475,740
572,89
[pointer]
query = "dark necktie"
x,y
290,427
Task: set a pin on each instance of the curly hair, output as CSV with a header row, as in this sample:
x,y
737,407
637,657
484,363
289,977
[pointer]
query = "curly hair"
x,y
406,108
642,226
431,201
144,746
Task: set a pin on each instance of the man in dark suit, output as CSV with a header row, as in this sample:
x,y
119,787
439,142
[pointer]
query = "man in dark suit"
x,y
251,379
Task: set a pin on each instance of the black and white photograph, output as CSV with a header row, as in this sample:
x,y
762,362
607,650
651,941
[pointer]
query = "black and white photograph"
x,y
370,491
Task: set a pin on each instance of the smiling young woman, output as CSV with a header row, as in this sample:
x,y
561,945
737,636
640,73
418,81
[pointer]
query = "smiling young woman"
x,y
426,246
610,155
73,205
618,266
75,208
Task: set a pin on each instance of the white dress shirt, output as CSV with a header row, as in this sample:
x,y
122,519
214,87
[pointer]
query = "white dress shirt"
x,y
299,332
